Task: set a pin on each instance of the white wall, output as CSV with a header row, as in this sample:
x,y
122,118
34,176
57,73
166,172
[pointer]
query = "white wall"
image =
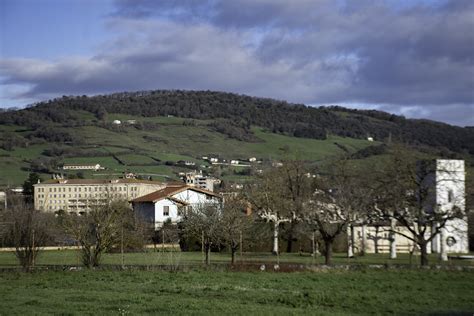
x,y
160,218
450,180
194,198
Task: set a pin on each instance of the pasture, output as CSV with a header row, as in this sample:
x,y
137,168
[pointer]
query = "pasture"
x,y
335,292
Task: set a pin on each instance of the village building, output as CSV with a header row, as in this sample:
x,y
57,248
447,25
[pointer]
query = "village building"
x,y
448,182
94,167
198,180
79,195
169,203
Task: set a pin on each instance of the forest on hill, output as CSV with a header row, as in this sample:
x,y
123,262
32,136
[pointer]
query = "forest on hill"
x,y
234,115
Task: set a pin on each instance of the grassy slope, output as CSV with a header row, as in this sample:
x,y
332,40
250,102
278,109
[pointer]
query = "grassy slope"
x,y
330,293
172,141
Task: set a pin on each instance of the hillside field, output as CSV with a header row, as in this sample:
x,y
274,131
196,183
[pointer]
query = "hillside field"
x,y
147,151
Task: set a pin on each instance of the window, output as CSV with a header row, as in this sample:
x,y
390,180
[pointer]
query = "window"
x,y
166,211
450,196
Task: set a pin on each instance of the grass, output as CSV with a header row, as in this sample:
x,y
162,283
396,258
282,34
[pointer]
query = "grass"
x,y
71,257
209,292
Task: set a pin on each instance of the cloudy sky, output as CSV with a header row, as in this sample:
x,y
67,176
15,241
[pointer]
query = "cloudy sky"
x,y
410,57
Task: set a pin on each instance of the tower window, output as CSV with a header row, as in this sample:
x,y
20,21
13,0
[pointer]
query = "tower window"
x,y
450,196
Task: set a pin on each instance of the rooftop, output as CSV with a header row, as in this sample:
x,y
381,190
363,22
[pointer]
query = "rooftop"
x,y
97,181
169,191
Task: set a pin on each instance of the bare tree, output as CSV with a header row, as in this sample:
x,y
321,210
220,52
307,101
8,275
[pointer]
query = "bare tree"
x,y
27,230
97,230
204,222
407,193
297,187
340,199
266,198
235,223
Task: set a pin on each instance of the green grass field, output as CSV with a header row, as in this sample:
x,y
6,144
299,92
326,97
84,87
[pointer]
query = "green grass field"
x,y
204,292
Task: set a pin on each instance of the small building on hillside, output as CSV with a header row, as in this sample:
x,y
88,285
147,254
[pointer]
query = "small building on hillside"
x,y
94,167
170,203
198,180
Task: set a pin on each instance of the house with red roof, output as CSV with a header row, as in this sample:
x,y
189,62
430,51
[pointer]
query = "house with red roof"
x,y
170,203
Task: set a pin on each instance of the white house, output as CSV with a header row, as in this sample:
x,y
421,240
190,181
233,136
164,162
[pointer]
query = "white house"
x,y
169,203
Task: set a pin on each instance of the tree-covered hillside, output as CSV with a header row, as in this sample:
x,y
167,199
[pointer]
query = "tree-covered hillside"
x,y
234,115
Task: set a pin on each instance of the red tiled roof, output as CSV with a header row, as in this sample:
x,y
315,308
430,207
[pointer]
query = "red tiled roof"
x,y
169,191
160,194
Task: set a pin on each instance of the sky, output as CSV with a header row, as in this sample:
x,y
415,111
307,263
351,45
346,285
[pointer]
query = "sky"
x,y
409,57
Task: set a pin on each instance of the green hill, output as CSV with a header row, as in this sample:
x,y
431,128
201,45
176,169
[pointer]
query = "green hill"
x,y
159,129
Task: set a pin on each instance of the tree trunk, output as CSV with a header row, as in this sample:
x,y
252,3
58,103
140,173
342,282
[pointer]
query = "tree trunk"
x,y
393,241
442,246
313,244
275,238
289,245
233,257
208,250
350,241
424,253
364,240
328,251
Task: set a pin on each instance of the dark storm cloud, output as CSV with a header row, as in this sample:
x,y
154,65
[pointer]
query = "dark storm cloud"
x,y
414,59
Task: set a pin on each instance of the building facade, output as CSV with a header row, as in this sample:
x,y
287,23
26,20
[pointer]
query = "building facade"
x,y
446,186
79,195
198,180
169,203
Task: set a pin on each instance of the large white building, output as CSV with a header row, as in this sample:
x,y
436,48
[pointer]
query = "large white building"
x,y
169,203
447,180
79,195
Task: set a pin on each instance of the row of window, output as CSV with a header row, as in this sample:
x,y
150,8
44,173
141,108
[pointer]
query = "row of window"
x,y
91,195
86,189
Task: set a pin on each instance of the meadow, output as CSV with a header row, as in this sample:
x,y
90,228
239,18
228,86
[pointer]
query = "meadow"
x,y
335,292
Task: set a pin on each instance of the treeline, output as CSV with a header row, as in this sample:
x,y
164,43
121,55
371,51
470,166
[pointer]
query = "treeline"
x,y
243,111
